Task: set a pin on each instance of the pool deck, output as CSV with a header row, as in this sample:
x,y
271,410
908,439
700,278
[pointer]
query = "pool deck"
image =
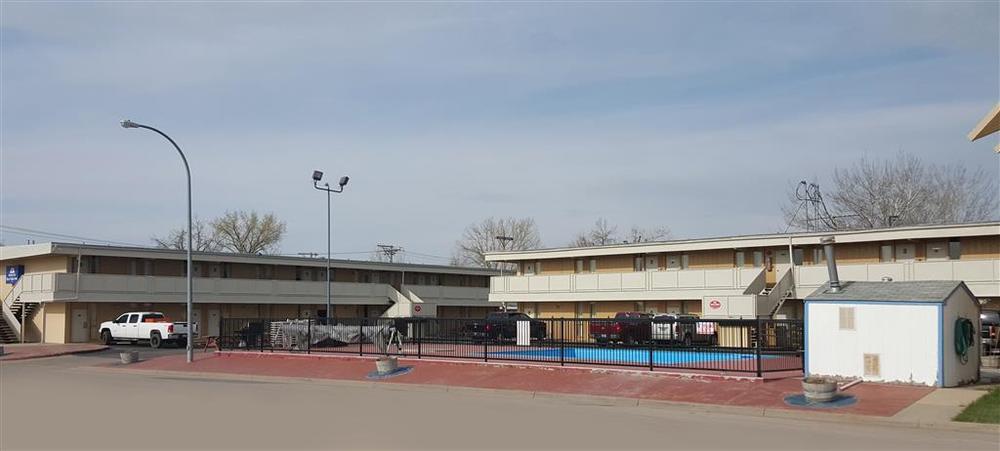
x,y
630,385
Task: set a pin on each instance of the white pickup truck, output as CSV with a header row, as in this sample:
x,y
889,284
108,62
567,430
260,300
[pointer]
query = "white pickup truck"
x,y
153,327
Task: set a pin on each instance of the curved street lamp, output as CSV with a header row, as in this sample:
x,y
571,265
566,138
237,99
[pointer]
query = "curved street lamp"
x,y
190,347
316,177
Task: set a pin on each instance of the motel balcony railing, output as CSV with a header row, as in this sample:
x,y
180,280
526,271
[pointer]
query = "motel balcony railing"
x,y
981,276
47,287
639,285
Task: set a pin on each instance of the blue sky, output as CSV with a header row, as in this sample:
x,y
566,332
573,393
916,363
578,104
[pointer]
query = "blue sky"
x,y
693,116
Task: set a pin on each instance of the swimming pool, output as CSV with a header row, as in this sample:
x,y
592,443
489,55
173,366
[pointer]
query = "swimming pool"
x,y
626,356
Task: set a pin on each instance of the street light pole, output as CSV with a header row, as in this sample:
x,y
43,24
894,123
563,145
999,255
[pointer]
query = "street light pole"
x,y
317,176
190,266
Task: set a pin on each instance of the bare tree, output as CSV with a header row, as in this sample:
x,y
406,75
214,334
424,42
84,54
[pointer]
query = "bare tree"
x,y
644,235
899,192
202,234
602,233
246,232
480,238
599,235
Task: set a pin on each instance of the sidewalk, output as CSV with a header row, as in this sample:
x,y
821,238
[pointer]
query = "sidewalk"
x,y
39,350
637,386
940,406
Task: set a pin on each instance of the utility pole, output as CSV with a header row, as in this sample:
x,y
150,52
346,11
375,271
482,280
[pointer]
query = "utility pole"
x,y
389,250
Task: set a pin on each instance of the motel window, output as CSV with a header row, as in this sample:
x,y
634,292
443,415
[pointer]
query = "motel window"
x,y
529,269
954,249
227,270
797,256
593,265
579,266
265,271
885,253
685,261
818,256
133,268
637,263
740,259
147,267
846,318
758,259
433,279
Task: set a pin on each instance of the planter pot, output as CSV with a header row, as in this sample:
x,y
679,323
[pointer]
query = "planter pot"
x,y
385,365
819,390
129,357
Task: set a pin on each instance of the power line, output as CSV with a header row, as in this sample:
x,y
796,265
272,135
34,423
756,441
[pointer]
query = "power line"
x,y
28,232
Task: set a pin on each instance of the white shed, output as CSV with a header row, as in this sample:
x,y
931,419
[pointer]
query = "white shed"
x,y
892,332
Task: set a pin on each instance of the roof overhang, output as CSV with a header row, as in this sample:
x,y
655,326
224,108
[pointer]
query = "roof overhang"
x,y
73,249
988,126
756,241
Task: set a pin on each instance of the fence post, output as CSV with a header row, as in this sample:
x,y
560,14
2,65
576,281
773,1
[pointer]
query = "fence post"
x,y
760,339
562,342
361,336
420,328
265,333
486,341
309,335
650,328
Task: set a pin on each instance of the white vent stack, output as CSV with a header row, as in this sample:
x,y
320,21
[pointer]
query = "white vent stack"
x,y
831,263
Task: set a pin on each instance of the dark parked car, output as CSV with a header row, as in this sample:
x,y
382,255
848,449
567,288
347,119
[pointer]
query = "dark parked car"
x,y
503,326
625,327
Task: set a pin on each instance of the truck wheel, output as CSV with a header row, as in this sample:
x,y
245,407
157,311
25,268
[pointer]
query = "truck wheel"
x,y
155,340
106,337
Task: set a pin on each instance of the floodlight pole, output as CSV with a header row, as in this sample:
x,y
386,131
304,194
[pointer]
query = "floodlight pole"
x,y
503,245
326,187
190,266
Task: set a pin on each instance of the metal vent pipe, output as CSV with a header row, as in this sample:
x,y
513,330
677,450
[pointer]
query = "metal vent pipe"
x,y
831,263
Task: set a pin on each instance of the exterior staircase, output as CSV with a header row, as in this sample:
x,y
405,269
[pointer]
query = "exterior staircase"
x,y
15,314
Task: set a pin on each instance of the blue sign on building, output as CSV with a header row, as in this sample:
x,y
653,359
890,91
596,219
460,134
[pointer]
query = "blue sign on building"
x,y
14,272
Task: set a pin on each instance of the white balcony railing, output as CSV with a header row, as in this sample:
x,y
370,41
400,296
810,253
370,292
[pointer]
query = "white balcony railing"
x,y
106,287
690,282
982,276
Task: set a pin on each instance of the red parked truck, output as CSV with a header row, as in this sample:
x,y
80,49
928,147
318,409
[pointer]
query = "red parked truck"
x,y
625,327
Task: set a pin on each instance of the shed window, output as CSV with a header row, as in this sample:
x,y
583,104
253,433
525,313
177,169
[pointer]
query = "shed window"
x,y
846,318
873,368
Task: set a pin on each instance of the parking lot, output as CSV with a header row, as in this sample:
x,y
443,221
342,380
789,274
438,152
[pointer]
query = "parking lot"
x,y
111,409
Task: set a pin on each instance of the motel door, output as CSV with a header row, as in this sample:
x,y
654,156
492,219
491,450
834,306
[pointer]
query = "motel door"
x,y
906,252
213,322
80,327
196,316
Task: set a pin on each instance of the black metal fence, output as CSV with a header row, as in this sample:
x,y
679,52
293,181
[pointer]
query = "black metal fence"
x,y
741,346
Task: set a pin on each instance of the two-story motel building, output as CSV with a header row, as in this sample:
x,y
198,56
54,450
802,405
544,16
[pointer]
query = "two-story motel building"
x,y
741,276
66,290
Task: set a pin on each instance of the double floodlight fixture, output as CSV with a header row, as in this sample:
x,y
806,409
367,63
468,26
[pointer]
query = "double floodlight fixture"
x,y
318,175
129,124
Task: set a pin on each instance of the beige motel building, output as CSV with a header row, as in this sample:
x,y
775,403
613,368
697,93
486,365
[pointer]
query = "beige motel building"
x,y
741,277
66,290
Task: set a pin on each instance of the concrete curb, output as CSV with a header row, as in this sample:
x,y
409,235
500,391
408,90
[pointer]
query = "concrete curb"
x,y
576,399
15,358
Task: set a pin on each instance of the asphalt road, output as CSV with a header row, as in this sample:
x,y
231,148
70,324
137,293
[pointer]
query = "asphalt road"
x,y
58,403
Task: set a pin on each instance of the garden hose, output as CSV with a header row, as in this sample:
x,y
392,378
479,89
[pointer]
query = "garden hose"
x,y
964,338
